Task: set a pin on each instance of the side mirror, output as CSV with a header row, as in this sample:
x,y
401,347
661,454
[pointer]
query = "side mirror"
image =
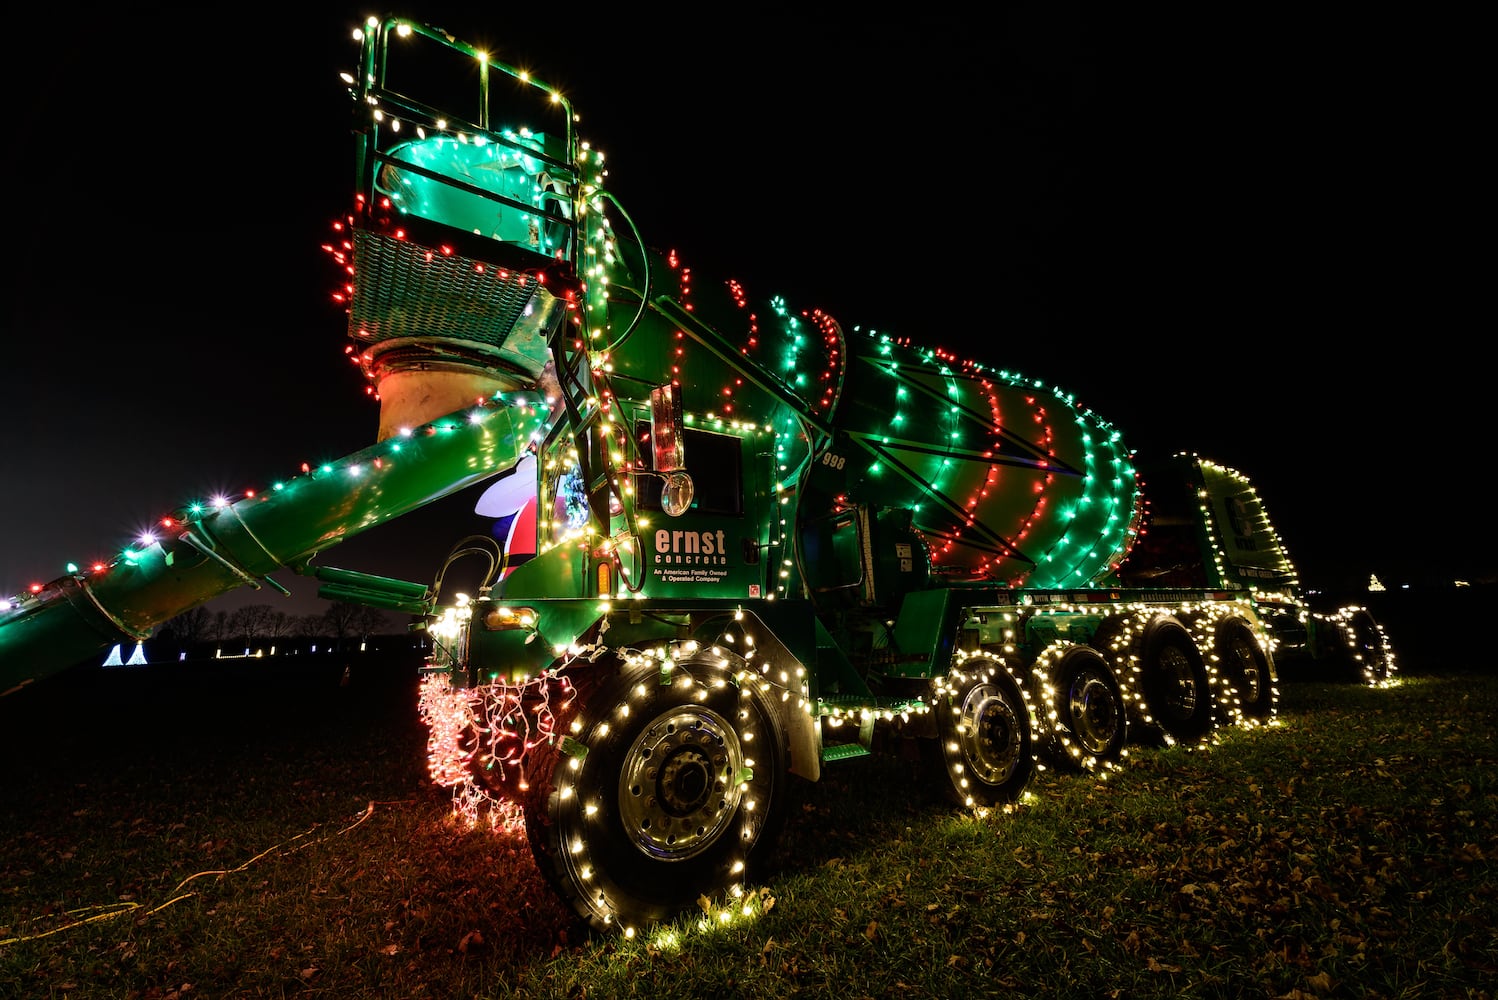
x,y
668,449
668,443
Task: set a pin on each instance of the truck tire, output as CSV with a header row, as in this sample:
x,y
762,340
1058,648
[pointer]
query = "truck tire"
x,y
671,787
1367,653
1245,674
1174,684
985,740
1084,721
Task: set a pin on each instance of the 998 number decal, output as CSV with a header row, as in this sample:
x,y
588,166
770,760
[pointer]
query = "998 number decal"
x,y
833,461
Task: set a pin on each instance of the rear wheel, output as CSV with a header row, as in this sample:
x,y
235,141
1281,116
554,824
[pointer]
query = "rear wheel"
x,y
1174,683
1367,653
987,752
670,788
1085,722
1246,673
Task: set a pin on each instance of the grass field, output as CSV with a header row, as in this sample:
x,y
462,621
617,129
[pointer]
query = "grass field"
x,y
267,831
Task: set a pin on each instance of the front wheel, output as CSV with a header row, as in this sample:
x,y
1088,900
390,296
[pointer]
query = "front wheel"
x,y
670,788
987,751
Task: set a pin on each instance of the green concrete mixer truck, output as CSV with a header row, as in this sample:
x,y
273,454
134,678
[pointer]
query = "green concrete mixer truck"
x,y
743,542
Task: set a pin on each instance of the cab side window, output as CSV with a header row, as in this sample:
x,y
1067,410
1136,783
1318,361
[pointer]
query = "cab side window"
x,y
715,463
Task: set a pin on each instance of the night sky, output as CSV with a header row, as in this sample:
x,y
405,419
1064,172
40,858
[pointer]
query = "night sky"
x,y
1237,235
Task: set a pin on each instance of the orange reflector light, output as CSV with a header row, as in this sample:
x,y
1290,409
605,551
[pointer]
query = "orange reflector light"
x,y
503,618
